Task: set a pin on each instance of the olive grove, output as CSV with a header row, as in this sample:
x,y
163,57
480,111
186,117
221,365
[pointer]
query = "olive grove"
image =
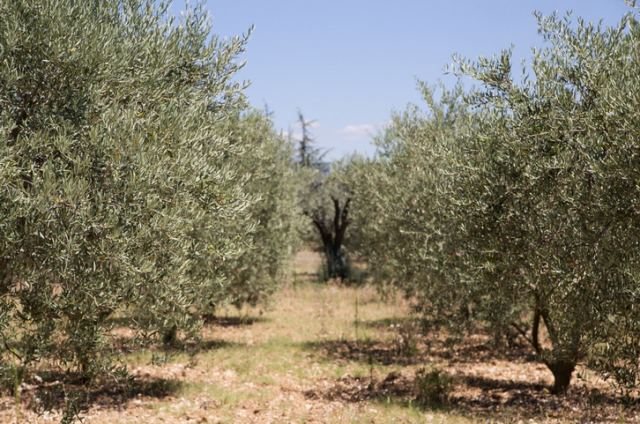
x,y
515,205
141,191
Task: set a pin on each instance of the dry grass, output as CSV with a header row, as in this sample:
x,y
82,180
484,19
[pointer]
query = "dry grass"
x,y
311,358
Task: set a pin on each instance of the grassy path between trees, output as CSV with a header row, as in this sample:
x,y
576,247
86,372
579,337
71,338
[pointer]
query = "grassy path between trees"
x,y
328,354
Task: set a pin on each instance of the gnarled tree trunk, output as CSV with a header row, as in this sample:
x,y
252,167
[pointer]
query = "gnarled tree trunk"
x,y
562,371
561,368
336,263
332,234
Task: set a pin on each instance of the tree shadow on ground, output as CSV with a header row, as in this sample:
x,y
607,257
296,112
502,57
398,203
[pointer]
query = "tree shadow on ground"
x,y
366,351
468,344
420,349
129,345
485,383
235,321
428,337
390,324
193,347
477,350
485,399
355,389
63,391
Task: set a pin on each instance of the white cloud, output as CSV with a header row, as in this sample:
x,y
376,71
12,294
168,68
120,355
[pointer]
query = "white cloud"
x,y
359,130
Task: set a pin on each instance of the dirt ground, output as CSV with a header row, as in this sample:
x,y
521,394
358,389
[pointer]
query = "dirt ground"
x,y
327,354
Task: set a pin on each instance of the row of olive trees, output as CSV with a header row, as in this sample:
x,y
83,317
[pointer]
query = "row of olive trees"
x,y
133,179
517,205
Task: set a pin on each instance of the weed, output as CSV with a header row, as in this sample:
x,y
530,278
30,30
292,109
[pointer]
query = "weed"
x,y
433,387
406,341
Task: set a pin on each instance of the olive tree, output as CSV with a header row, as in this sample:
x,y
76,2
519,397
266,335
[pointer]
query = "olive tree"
x,y
269,176
558,222
522,209
325,202
119,189
403,197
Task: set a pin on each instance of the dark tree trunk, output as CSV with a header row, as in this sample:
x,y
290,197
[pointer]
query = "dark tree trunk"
x,y
170,336
562,371
332,232
336,263
562,366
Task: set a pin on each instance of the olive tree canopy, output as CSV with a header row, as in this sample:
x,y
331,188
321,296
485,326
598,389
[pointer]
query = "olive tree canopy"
x,y
518,205
128,182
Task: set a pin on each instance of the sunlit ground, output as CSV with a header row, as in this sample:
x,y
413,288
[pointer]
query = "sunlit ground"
x,y
326,353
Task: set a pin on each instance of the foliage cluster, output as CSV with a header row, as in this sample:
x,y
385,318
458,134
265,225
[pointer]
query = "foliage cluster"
x,y
515,205
134,179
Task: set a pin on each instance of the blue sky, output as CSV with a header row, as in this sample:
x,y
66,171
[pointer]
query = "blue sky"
x,y
348,64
